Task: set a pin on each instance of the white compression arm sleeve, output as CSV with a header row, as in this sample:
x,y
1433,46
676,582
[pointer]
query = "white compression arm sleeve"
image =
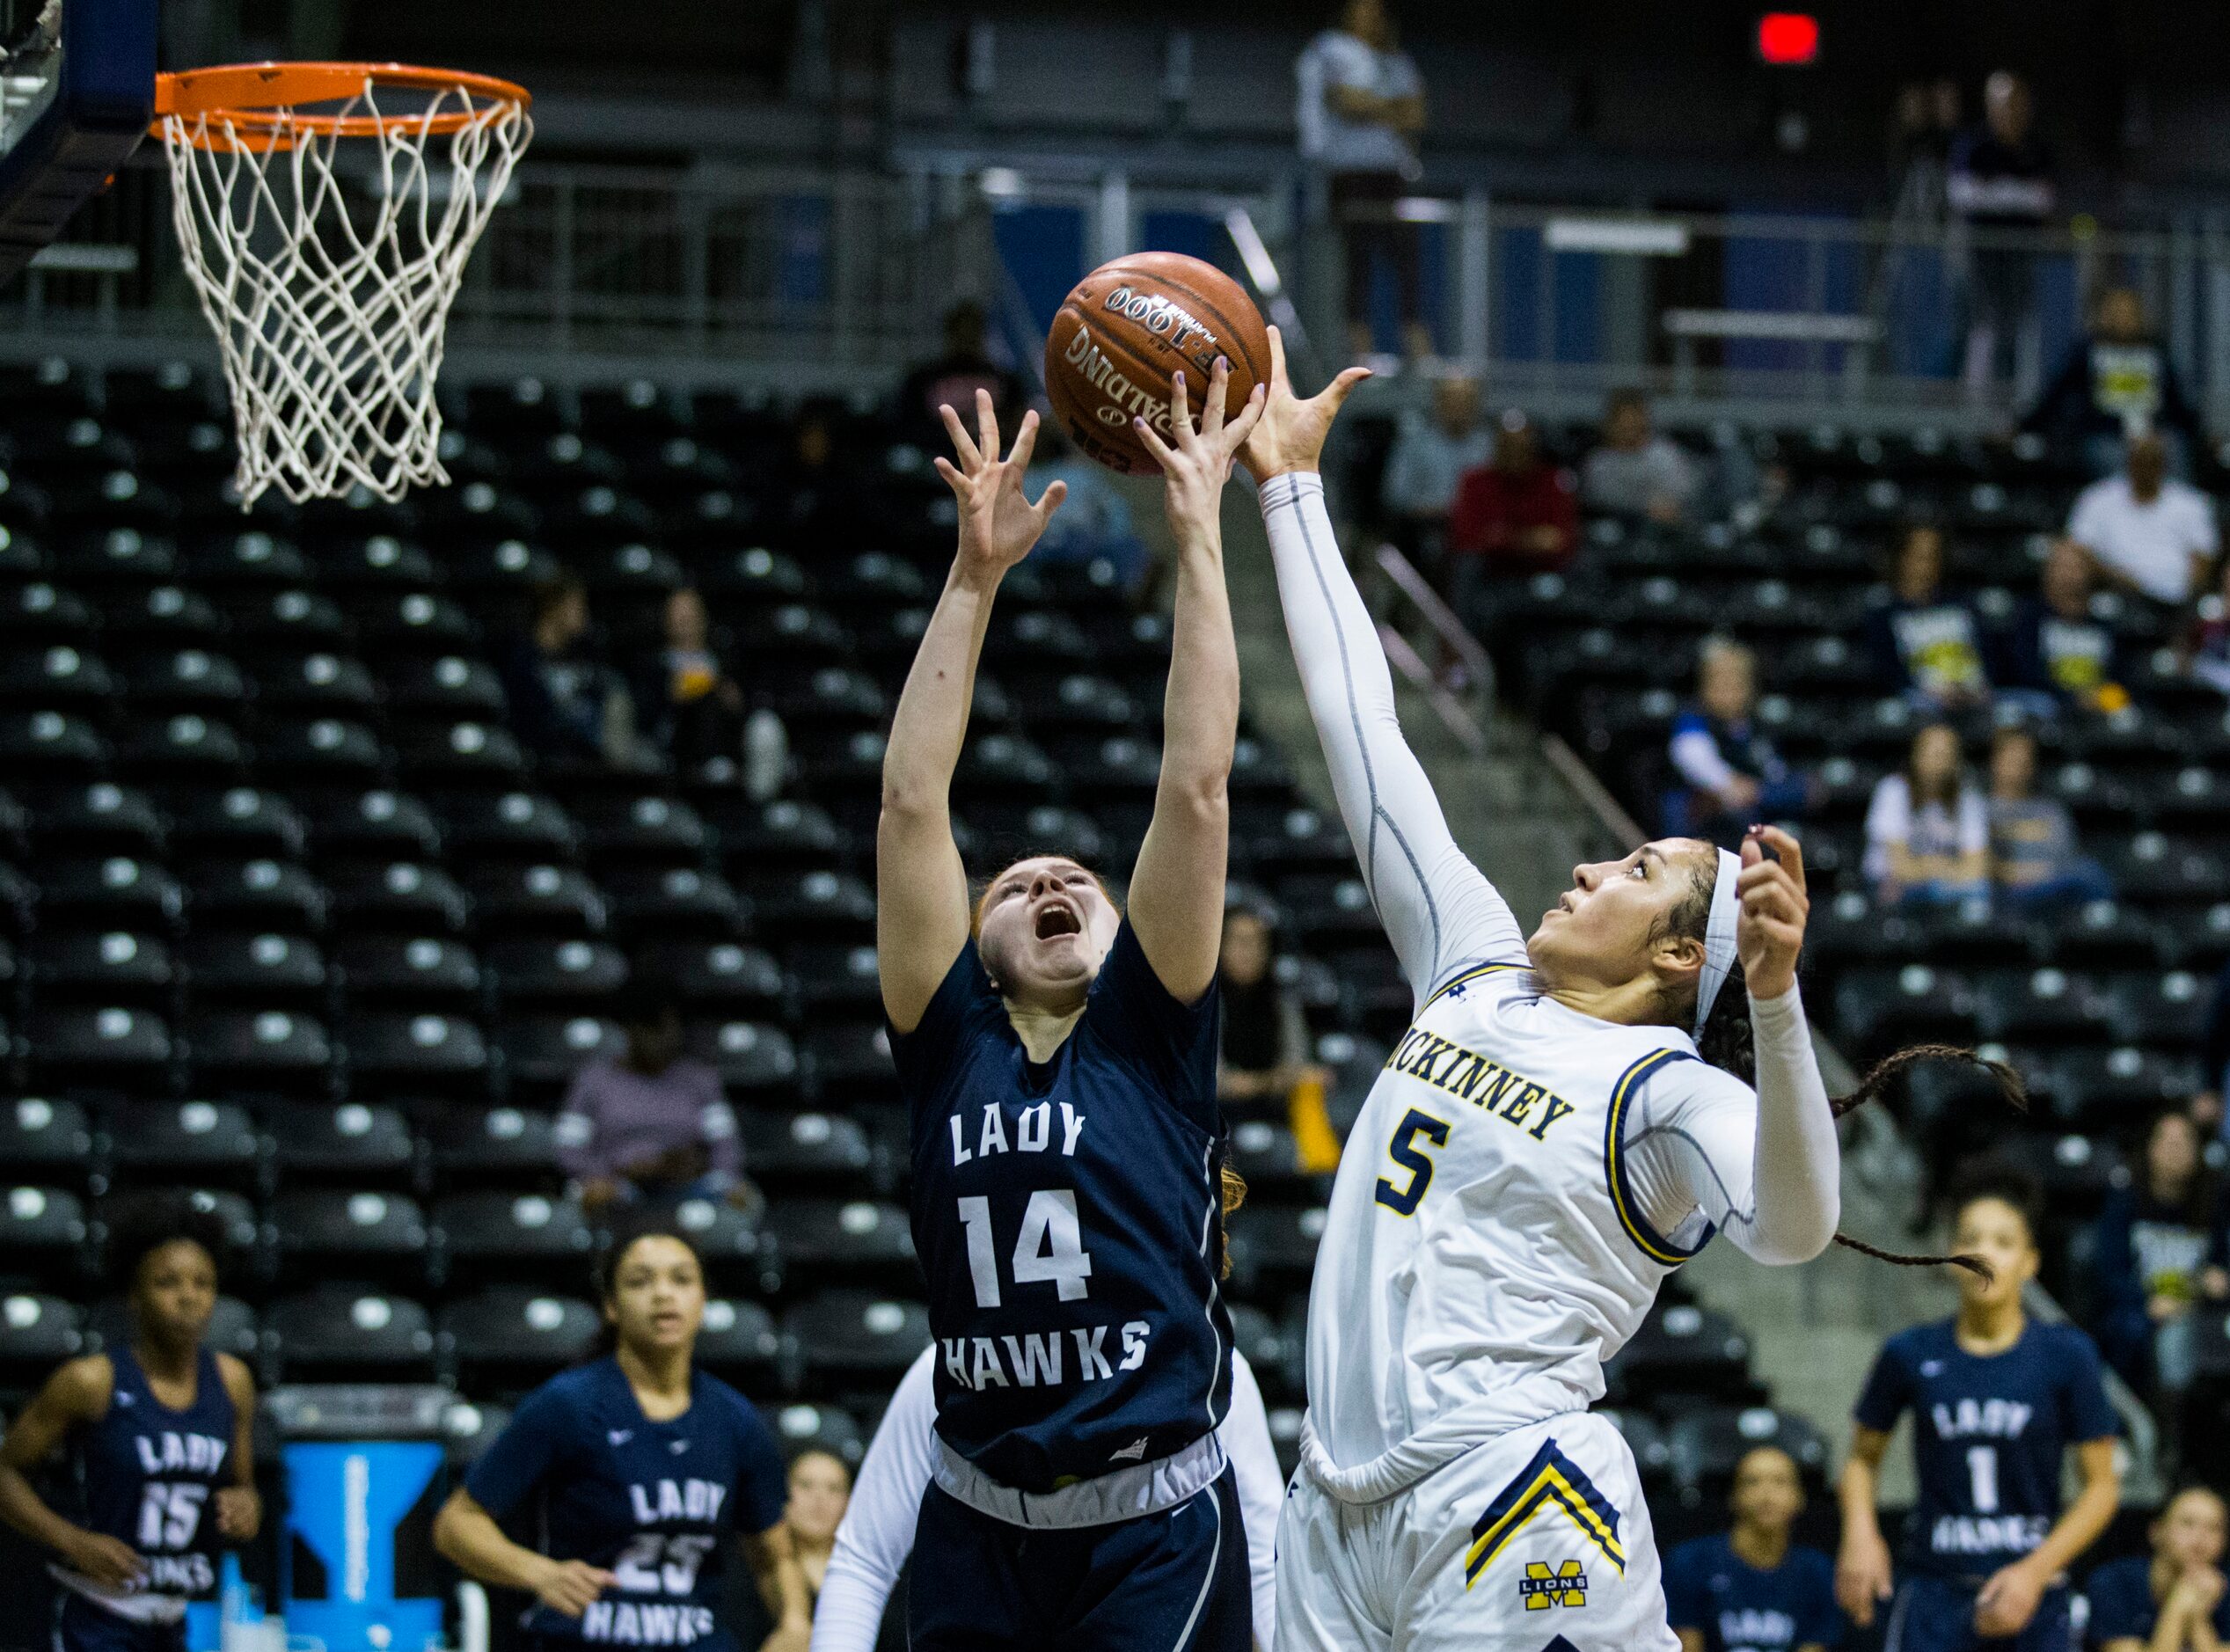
x,y
1439,911
1799,1171
878,1530
1246,1431
1765,1170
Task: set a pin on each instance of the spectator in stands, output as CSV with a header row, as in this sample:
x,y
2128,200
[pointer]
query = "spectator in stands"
x,y
819,1492
2159,1250
2114,384
2144,531
1267,1062
2033,852
566,705
953,378
1360,109
1928,829
2173,1599
806,486
2057,651
2000,181
2206,647
1431,457
1514,516
2214,1058
1095,521
652,1125
1924,124
1926,643
697,712
1731,774
1634,471
1751,1589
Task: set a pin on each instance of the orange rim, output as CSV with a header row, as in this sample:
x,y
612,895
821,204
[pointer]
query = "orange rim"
x,y
262,102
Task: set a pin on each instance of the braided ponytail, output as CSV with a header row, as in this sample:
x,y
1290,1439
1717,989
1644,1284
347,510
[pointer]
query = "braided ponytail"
x,y
1725,1041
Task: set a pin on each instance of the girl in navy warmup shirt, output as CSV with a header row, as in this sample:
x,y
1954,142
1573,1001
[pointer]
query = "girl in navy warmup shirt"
x,y
636,1470
1996,1398
159,1434
1058,1057
1750,1589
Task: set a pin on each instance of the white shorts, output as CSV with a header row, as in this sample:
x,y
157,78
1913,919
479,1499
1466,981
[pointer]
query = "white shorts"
x,y
1536,1541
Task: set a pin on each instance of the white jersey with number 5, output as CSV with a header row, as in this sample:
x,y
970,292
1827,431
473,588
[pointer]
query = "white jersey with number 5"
x,y
1491,1243
1523,1176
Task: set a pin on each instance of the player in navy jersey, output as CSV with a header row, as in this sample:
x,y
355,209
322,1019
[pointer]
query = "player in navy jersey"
x,y
1997,1399
1749,1589
635,1471
160,1437
1058,1058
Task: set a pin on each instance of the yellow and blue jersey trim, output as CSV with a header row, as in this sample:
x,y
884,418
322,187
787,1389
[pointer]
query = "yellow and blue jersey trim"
x,y
1654,1245
1464,978
1552,1482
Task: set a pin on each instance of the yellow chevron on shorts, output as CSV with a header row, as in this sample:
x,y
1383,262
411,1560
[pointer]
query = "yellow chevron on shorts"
x,y
1552,1482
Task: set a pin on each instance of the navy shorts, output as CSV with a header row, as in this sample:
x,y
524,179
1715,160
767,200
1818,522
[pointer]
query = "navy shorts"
x,y
1174,1582
81,1626
1937,1614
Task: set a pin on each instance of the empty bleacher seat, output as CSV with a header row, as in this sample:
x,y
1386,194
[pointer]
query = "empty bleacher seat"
x,y
335,1333
851,1337
505,1340
515,1234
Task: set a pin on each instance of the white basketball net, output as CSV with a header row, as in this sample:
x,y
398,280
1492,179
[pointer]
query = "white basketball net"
x,y
329,302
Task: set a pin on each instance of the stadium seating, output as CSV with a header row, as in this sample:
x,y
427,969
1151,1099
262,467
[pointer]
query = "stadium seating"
x,y
2099,1007
288,910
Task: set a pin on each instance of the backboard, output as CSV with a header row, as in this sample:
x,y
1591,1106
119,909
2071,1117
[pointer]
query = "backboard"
x,y
77,92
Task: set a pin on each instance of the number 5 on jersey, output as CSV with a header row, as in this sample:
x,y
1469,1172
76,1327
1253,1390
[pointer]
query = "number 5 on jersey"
x,y
1404,1150
1050,1247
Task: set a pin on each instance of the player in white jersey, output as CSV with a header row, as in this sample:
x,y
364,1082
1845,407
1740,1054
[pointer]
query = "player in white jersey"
x,y
1546,1144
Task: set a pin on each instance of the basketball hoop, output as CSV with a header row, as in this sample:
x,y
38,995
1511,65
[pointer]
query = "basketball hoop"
x,y
325,244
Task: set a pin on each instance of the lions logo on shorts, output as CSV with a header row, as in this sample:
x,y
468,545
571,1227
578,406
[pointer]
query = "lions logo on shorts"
x,y
1541,1588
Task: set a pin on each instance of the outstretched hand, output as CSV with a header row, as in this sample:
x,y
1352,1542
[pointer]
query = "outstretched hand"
x,y
1769,934
1290,435
997,525
1197,462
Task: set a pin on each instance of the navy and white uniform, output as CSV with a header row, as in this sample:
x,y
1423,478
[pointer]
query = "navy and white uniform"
x,y
1738,1607
1988,1436
582,1474
1065,1214
148,1475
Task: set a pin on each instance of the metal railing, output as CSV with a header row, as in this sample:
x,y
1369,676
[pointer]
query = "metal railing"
x,y
843,270
838,271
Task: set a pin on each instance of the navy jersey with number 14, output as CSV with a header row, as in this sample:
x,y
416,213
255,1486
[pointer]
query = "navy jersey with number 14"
x,y
1065,1218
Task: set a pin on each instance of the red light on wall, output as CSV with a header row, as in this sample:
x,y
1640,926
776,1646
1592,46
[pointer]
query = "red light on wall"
x,y
1789,38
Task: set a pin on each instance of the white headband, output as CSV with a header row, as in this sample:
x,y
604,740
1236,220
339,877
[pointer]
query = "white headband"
x,y
1718,937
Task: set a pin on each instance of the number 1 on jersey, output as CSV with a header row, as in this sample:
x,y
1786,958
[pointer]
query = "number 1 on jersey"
x,y
1049,1249
1982,1472
1404,1150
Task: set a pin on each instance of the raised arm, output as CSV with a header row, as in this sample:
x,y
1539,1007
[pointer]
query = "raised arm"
x,y
1176,903
1439,911
921,889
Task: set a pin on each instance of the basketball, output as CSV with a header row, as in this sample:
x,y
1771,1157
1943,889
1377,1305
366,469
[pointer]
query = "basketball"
x,y
1125,328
